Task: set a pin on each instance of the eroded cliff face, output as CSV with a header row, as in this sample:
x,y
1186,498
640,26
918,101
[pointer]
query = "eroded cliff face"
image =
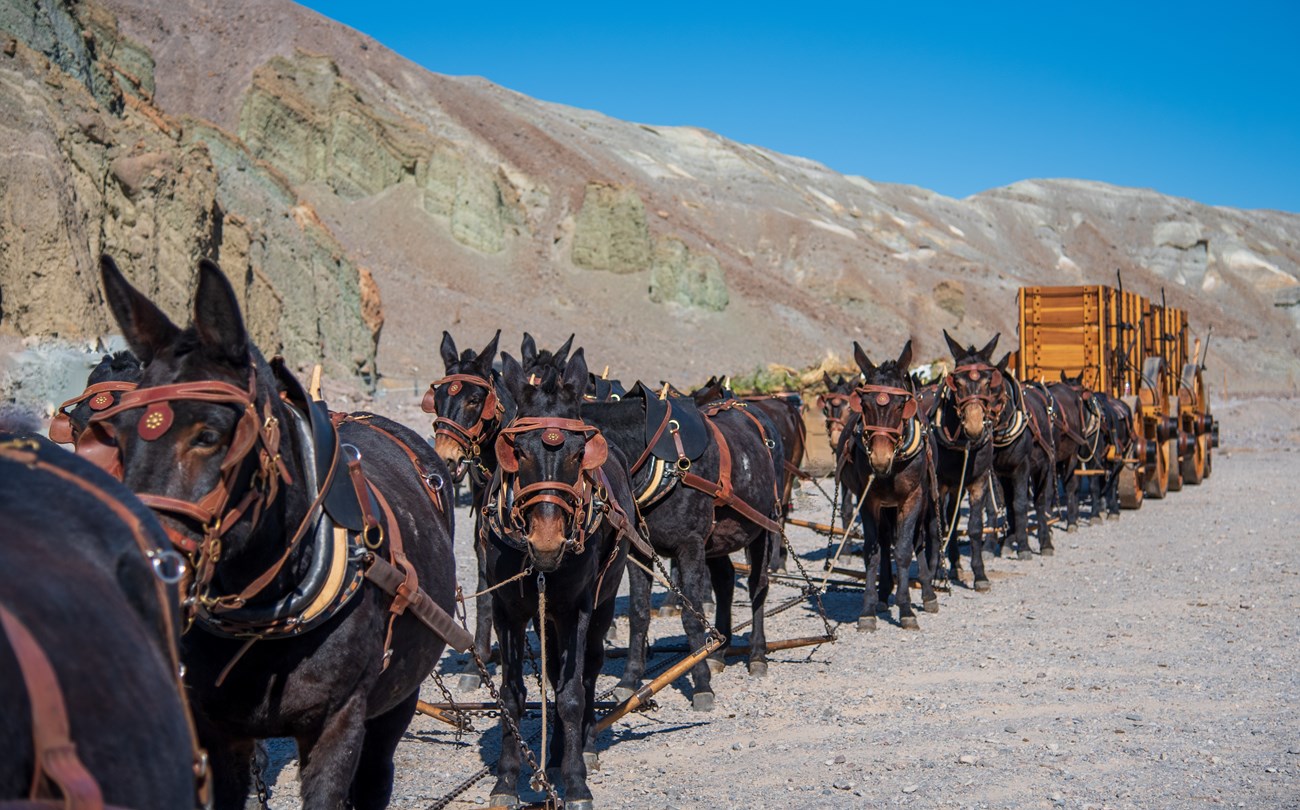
x,y
673,252
90,165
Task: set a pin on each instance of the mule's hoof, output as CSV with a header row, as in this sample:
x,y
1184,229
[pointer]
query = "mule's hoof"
x,y
982,585
702,702
592,760
1047,551
668,611
931,606
716,665
866,624
579,804
758,669
1114,515
909,623
1102,516
469,682
503,800
1072,528
622,693
1024,554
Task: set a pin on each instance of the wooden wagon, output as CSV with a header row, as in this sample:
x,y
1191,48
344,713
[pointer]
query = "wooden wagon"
x,y
1132,349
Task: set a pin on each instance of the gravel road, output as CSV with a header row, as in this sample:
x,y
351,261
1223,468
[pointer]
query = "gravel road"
x,y
1153,662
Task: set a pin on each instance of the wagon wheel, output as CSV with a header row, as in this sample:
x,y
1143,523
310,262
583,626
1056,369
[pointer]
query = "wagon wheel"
x,y
1195,464
1194,402
1130,487
1157,482
1174,464
1154,407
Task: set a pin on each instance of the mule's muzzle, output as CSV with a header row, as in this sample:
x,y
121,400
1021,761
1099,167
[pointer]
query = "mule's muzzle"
x,y
548,539
974,418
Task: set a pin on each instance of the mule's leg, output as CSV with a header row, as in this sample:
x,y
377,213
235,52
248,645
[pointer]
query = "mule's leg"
x,y
230,762
328,763
470,678
1044,486
372,787
1072,496
927,536
1019,506
872,561
757,552
695,587
566,668
904,539
602,617
723,576
948,518
510,635
975,531
638,622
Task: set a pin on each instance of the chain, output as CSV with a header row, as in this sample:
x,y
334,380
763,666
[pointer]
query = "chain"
x,y
462,717
259,784
668,581
809,588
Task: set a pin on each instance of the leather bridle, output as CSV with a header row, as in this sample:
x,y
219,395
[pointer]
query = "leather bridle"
x,y
213,511
883,395
100,396
469,438
574,500
834,400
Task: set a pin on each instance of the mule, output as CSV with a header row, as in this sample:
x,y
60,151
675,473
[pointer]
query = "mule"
x,y
1115,445
82,570
1077,432
834,406
888,459
468,412
962,421
678,459
559,505
1024,466
261,488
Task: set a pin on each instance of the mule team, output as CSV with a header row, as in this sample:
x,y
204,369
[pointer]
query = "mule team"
x,y
300,566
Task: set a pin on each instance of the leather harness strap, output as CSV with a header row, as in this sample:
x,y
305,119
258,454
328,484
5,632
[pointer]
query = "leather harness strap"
x,y
57,764
650,445
100,396
723,494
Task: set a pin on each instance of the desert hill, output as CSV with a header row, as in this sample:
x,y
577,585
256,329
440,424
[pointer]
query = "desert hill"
x,y
328,173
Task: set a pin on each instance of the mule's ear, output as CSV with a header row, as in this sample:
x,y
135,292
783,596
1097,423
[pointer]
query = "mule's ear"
x,y
512,376
1002,364
861,358
561,355
826,380
1064,378
528,350
489,353
217,320
450,356
575,373
987,351
953,346
146,328
905,359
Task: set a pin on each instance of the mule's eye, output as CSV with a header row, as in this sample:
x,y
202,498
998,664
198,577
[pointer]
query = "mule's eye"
x,y
207,438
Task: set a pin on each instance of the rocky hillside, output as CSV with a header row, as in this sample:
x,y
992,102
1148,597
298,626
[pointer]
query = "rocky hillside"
x,y
298,150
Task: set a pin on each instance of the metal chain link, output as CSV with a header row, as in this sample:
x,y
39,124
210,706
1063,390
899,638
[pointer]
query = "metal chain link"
x,y
462,717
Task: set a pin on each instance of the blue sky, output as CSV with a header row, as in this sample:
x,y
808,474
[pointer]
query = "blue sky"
x,y
1192,99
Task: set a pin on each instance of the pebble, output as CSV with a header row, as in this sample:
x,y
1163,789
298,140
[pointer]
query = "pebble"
x,y
736,746
911,788
966,759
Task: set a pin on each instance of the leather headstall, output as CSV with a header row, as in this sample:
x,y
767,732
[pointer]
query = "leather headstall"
x,y
470,438
834,399
990,397
100,396
213,511
575,499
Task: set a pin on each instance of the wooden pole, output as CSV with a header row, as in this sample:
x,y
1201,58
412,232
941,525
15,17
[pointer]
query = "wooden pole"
x,y
822,527
740,649
643,695
313,390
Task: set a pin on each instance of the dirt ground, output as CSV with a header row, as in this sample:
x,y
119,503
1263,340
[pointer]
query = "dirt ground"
x,y
1153,662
